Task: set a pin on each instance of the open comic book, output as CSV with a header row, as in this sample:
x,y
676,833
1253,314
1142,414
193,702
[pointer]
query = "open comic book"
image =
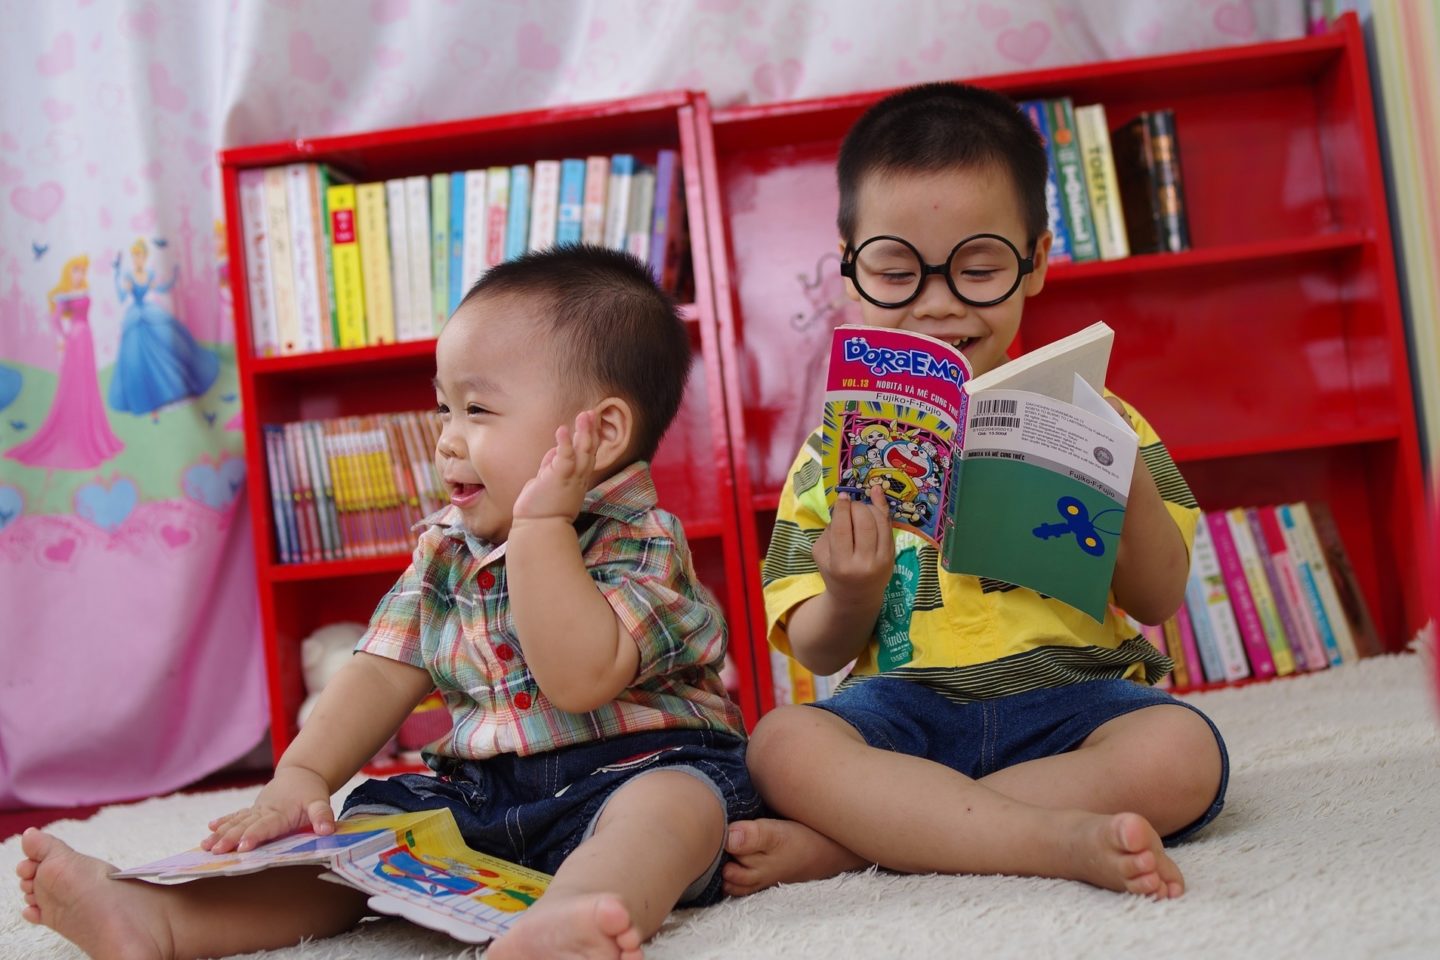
x,y
1020,475
413,865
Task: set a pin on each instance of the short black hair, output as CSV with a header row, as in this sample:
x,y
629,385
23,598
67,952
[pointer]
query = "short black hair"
x,y
612,328
944,126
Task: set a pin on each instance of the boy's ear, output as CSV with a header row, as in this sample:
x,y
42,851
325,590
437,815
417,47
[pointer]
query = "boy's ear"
x,y
1035,282
850,290
615,432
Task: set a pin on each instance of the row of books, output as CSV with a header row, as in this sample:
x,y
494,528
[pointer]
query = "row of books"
x,y
1271,593
351,486
333,264
1110,194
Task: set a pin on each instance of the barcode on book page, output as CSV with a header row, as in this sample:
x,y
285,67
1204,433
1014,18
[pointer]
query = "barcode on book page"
x,y
983,407
980,423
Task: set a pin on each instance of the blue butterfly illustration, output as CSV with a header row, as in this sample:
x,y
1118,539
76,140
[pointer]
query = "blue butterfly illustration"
x,y
40,249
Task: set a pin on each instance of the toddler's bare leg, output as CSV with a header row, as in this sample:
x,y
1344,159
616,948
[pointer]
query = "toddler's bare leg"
x,y
659,832
916,816
74,895
1161,762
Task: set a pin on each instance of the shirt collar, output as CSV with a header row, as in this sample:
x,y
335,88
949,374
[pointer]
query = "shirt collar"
x,y
626,496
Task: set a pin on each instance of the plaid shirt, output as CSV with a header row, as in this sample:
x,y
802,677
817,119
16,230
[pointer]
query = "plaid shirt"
x,y
450,615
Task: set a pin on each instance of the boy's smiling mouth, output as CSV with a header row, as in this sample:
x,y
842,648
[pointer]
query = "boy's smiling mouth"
x,y
463,494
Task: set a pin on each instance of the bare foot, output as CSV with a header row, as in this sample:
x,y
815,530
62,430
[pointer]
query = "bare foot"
x,y
767,852
73,895
1123,852
574,928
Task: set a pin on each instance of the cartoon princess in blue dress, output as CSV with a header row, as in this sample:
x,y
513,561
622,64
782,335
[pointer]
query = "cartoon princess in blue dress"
x,y
159,361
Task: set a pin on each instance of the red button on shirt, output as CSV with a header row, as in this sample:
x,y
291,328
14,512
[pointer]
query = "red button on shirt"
x,y
486,580
505,652
522,700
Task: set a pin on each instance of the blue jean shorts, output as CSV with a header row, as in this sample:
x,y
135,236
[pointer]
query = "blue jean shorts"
x,y
535,810
984,736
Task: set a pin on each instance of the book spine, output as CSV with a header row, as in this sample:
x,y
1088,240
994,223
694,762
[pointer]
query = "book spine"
x,y
324,489
544,205
666,218
456,272
1055,210
259,302
1212,667
517,226
304,519
1217,605
497,214
340,480
278,505
422,294
302,253
597,190
1307,578
1314,556
1189,648
345,260
1171,631
399,228
1253,568
474,265
329,324
1315,655
1100,181
309,487
374,236
570,212
617,206
1289,624
642,210
1070,172
1135,176
1347,586
277,219
1251,630
1172,214
439,254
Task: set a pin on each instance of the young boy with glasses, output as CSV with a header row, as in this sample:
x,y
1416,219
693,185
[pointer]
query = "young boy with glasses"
x,y
557,609
1021,737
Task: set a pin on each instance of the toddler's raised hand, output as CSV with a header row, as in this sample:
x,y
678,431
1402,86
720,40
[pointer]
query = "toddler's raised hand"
x,y
558,489
856,553
293,800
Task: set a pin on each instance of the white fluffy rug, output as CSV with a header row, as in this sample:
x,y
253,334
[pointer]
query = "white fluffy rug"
x,y
1329,846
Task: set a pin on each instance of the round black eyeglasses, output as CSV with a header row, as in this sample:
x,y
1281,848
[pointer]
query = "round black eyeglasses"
x,y
982,270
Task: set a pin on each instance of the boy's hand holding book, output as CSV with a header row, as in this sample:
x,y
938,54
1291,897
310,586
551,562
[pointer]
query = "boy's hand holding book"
x,y
856,552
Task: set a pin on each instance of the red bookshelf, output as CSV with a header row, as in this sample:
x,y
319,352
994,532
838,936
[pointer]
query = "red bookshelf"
x,y
1271,357
692,470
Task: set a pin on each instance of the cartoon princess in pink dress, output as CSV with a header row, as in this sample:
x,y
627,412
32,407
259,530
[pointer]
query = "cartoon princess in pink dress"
x,y
76,435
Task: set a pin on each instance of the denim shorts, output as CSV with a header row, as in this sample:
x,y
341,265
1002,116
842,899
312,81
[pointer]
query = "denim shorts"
x,y
984,736
535,810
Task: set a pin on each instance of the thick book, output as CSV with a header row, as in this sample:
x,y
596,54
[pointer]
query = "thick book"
x,y
1020,475
1253,566
1101,182
1210,600
473,264
1152,193
1054,209
412,865
1364,636
597,193
456,271
570,211
400,273
372,223
642,214
1070,175
617,200
347,272
497,213
1252,632
544,205
1294,591
310,297
668,221
517,224
439,247
422,291
264,333
277,224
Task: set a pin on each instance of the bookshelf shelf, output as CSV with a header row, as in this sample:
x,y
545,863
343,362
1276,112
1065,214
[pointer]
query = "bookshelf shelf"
x,y
691,469
1271,357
